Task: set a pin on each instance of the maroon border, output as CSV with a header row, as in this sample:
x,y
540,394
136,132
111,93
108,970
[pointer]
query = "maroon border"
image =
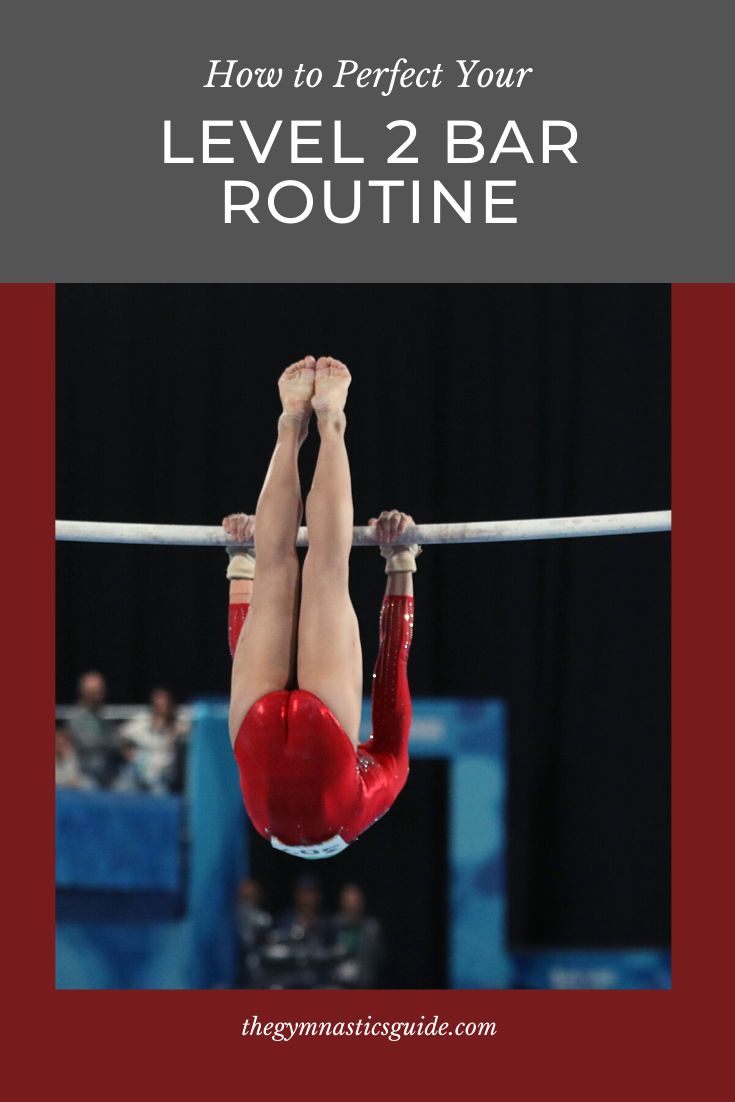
x,y
578,1044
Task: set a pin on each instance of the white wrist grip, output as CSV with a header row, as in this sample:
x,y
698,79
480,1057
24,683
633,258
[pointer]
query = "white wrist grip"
x,y
241,566
400,558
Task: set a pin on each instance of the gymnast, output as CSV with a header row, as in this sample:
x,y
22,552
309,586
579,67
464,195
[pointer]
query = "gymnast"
x,y
296,696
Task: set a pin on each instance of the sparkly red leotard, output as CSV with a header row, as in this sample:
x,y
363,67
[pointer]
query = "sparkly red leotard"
x,y
305,787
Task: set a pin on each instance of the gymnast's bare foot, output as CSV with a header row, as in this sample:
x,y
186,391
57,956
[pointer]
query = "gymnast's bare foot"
x,y
330,389
296,387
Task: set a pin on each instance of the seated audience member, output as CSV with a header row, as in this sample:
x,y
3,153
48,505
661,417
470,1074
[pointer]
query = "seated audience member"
x,y
68,772
253,923
359,938
153,747
94,737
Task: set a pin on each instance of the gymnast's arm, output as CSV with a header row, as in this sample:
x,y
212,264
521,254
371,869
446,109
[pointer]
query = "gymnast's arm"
x,y
391,696
240,572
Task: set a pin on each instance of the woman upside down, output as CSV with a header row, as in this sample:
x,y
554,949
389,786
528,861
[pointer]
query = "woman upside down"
x,y
296,693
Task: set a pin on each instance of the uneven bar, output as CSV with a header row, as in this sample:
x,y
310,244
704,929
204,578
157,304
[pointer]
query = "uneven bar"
x,y
475,531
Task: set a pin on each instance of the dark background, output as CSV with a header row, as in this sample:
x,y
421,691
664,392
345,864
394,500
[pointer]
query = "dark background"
x,y
469,402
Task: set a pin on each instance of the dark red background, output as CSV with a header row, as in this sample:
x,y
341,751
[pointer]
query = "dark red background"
x,y
576,1044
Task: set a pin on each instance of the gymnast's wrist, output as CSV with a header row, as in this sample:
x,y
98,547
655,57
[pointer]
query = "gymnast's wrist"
x,y
241,566
400,558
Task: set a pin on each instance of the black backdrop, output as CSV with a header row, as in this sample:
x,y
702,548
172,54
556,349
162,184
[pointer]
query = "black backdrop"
x,y
469,402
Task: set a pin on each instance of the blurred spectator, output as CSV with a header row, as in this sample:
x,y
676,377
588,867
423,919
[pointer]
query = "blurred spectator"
x,y
359,939
298,952
129,777
253,923
68,771
94,738
153,747
252,919
305,948
304,919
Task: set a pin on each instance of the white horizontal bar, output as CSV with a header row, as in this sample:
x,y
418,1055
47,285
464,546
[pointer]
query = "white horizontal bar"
x,y
475,531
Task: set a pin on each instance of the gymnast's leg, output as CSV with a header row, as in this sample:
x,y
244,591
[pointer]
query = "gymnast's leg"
x,y
329,651
264,660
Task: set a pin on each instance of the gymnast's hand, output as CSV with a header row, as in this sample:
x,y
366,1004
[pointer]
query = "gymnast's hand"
x,y
389,527
240,527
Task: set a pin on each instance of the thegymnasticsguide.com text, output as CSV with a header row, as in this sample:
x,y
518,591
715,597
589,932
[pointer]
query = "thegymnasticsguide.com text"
x,y
356,187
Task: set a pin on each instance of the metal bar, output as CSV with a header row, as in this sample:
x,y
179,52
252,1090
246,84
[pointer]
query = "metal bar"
x,y
477,531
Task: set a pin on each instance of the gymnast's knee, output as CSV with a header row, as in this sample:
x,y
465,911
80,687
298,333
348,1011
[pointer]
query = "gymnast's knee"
x,y
274,553
328,559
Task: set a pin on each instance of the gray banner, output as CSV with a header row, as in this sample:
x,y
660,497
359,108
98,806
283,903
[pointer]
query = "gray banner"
x,y
86,195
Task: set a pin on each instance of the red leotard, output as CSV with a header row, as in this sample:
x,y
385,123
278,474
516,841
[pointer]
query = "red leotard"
x,y
238,616
301,778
